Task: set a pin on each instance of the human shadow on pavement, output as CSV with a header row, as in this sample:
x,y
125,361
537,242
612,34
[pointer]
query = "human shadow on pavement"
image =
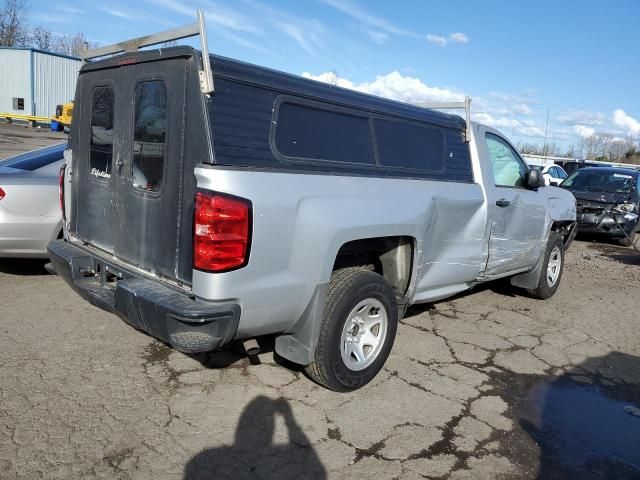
x,y
586,422
255,454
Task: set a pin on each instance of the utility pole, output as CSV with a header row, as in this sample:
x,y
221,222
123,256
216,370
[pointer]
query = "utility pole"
x,y
546,127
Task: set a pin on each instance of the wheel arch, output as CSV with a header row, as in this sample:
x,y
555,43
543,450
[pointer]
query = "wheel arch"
x,y
393,257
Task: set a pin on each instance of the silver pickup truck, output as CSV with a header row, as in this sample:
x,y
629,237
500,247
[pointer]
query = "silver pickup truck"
x,y
207,200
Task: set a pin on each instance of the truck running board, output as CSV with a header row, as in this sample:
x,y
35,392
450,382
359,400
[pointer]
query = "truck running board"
x,y
186,31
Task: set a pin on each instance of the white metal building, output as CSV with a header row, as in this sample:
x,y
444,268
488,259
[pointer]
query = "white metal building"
x,y
33,82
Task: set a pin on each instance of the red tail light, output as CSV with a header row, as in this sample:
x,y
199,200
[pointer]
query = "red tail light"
x,y
221,232
61,190
2,194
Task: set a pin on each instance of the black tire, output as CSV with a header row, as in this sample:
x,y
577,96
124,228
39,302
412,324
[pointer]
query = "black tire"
x,y
347,288
544,290
628,241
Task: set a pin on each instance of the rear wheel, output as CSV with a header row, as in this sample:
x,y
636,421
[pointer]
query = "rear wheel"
x,y
551,271
358,328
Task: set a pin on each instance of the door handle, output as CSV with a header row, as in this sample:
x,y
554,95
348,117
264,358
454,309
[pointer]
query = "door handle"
x,y
503,203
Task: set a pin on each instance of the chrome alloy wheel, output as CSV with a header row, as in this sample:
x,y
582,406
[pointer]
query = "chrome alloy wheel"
x,y
363,334
554,266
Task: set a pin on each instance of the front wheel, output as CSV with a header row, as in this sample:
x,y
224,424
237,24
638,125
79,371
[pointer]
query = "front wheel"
x,y
551,271
627,241
358,329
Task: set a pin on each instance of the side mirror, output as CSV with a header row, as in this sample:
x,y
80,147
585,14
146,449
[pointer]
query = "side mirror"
x,y
534,179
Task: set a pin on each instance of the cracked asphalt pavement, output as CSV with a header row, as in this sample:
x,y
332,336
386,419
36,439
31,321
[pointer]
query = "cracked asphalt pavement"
x,y
490,384
480,386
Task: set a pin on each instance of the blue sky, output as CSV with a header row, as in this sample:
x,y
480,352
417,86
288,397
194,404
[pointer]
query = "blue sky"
x,y
576,61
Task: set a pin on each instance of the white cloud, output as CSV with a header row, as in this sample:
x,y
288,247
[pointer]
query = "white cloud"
x,y
377,36
584,131
531,131
512,98
441,40
223,17
458,37
510,105
626,121
515,113
299,35
360,14
499,122
231,19
412,90
522,109
436,39
175,6
116,13
306,32
395,86
581,117
526,128
69,9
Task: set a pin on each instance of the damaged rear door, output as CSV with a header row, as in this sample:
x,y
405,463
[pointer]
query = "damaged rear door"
x,y
128,153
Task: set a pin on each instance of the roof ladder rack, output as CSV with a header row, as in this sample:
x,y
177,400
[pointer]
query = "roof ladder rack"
x,y
191,30
451,105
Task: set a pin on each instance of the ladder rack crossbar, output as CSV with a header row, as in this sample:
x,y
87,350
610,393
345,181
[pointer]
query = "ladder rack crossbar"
x,y
466,105
185,31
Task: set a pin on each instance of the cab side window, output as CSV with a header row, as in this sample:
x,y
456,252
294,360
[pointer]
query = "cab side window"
x,y
508,169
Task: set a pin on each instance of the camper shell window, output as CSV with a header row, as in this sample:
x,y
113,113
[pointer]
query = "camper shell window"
x,y
410,146
101,143
313,133
306,132
149,135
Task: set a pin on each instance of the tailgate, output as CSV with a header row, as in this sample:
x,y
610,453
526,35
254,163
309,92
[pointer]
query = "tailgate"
x,y
128,165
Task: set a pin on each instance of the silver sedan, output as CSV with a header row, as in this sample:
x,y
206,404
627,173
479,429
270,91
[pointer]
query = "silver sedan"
x,y
30,215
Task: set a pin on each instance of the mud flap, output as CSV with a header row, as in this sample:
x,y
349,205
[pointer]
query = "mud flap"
x,y
300,343
529,279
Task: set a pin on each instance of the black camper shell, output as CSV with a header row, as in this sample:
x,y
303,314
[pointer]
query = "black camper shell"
x,y
257,118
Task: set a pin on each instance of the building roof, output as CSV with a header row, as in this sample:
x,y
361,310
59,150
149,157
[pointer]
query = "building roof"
x,y
37,50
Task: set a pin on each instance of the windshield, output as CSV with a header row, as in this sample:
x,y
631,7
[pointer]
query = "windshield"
x,y
35,159
596,181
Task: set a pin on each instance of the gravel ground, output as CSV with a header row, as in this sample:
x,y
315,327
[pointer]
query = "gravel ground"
x,y
481,386
15,139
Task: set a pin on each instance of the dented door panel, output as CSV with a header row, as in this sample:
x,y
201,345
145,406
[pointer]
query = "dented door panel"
x,y
517,214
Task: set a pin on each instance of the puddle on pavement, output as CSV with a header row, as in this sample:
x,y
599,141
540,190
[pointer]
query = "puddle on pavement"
x,y
582,430
156,352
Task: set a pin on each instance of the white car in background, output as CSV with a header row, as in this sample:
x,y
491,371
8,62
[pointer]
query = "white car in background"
x,y
553,174
30,214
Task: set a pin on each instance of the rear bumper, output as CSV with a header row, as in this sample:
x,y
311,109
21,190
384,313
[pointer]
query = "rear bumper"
x,y
168,314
